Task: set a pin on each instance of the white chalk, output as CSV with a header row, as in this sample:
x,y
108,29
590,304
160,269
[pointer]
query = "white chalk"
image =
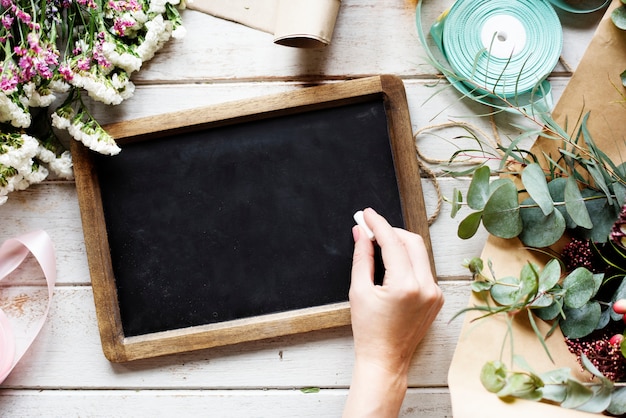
x,y
360,220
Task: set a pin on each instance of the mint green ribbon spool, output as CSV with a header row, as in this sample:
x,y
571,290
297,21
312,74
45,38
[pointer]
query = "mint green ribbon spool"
x,y
580,6
499,52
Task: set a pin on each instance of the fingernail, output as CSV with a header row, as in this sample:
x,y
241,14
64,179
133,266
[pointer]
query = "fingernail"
x,y
355,233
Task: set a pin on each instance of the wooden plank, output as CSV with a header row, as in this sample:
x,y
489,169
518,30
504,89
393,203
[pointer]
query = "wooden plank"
x,y
68,353
431,403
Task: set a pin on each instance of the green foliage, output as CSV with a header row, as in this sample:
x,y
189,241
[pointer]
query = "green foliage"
x,y
557,200
569,300
555,386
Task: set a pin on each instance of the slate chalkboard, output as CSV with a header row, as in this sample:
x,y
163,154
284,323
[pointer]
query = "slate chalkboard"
x,y
208,223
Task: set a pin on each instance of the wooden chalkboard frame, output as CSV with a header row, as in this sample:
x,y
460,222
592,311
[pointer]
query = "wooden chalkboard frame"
x,y
119,348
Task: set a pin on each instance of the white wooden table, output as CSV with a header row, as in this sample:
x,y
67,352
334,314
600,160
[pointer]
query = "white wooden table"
x,y
65,373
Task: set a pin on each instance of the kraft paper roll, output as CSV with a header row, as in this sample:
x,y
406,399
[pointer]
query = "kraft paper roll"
x,y
295,23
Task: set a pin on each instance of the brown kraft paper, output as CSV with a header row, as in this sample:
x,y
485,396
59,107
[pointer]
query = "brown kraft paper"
x,y
596,88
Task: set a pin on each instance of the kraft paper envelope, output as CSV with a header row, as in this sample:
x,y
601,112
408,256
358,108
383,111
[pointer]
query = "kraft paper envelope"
x,y
595,87
296,23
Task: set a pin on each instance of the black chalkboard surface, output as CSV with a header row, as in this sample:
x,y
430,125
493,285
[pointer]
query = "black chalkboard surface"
x,y
244,220
230,229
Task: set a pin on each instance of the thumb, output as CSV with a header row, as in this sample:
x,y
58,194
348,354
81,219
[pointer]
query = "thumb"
x,y
362,259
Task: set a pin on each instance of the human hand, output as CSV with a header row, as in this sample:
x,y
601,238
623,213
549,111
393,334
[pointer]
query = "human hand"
x,y
390,320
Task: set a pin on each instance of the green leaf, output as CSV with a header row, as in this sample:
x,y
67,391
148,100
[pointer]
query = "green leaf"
x,y
501,215
550,312
506,291
618,402
310,390
478,191
579,287
582,321
539,230
493,376
620,193
529,280
479,286
533,325
575,204
603,214
522,385
577,394
468,226
550,275
618,16
557,191
457,199
536,185
555,389
620,293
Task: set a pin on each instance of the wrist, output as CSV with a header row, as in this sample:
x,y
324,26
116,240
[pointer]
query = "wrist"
x,y
376,390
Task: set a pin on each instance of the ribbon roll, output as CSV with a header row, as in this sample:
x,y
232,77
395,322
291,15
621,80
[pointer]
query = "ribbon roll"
x,y
12,253
499,52
580,6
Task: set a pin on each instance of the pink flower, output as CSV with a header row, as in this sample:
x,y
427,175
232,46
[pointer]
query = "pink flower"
x,y
7,21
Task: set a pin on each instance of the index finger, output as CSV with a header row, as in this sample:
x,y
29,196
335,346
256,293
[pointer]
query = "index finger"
x,y
394,252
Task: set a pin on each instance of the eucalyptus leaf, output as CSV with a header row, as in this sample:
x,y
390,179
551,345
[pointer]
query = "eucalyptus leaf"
x,y
478,191
618,402
479,286
575,204
468,226
543,300
580,322
549,275
577,394
600,400
603,214
579,287
522,385
529,281
501,216
457,199
506,291
534,180
550,312
493,376
554,393
557,191
556,376
601,393
618,16
620,193
620,293
600,181
539,230
605,318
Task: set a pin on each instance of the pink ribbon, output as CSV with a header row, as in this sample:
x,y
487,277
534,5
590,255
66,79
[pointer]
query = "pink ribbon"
x,y
12,254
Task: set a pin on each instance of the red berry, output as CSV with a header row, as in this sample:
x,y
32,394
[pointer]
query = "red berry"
x,y
616,340
620,306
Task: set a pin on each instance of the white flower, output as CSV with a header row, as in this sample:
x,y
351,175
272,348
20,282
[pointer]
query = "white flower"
x,y
97,141
97,88
126,61
159,32
62,166
35,99
20,158
59,86
158,6
179,33
60,121
13,113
